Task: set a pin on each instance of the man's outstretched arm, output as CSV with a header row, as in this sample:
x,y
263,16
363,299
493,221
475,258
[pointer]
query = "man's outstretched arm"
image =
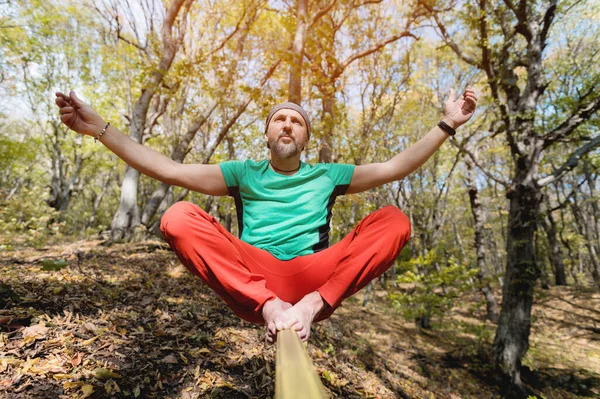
x,y
83,119
456,113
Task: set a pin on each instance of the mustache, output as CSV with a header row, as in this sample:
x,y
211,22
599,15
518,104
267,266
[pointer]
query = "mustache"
x,y
283,134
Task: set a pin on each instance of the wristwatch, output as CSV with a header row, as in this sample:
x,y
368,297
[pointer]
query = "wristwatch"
x,y
446,128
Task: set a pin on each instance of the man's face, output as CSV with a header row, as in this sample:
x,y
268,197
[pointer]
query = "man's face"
x,y
287,133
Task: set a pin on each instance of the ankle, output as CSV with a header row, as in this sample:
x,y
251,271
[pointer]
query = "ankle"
x,y
314,301
266,307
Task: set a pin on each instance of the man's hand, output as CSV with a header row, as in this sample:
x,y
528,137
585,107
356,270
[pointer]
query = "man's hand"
x,y
78,115
458,112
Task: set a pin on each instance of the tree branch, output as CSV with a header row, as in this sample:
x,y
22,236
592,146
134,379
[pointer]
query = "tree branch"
x,y
447,39
342,66
570,164
473,157
322,11
581,115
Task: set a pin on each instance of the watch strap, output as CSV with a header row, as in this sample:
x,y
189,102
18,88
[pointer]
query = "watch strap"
x,y
446,128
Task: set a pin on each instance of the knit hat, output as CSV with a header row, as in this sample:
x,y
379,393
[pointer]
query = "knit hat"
x,y
289,105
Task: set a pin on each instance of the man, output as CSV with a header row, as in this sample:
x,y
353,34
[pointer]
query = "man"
x,y
281,272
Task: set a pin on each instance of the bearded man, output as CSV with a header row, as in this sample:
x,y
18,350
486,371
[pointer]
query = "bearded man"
x,y
281,271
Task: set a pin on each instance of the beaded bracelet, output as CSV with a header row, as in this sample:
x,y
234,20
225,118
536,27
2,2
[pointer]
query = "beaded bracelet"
x,y
102,132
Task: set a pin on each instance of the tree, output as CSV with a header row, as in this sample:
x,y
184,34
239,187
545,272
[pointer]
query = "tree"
x,y
508,42
127,216
329,58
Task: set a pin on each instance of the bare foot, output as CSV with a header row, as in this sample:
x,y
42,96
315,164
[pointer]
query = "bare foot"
x,y
300,316
272,312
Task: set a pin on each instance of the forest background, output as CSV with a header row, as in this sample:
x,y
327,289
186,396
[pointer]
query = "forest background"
x,y
507,208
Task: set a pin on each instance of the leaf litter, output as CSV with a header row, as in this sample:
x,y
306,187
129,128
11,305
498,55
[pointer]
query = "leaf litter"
x,y
128,321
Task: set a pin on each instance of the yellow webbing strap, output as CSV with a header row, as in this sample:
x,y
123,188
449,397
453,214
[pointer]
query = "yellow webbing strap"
x,y
295,375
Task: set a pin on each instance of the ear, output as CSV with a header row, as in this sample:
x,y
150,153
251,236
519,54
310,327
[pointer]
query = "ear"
x,y
267,141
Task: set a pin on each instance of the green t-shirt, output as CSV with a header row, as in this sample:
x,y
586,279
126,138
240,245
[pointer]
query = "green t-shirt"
x,y
286,215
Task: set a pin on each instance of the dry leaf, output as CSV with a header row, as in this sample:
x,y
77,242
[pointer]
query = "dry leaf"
x,y
72,384
111,386
89,341
136,391
6,383
105,374
90,327
183,358
170,359
29,363
86,391
76,361
37,331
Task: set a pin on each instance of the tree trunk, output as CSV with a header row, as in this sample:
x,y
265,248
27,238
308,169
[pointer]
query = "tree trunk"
x,y
128,215
478,216
325,153
178,155
295,81
98,199
555,255
522,271
61,185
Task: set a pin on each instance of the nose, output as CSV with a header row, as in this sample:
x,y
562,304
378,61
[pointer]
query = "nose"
x,y
287,125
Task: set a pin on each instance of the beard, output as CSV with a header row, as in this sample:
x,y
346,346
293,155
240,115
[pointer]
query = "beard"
x,y
284,150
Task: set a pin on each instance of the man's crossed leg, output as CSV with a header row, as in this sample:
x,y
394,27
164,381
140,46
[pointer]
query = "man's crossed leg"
x,y
284,293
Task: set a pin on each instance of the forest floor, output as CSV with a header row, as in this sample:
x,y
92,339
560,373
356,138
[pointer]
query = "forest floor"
x,y
128,321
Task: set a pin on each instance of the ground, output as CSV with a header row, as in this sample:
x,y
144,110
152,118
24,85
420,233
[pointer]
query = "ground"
x,y
128,321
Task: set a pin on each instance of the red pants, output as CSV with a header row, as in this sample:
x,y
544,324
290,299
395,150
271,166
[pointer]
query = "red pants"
x,y
246,277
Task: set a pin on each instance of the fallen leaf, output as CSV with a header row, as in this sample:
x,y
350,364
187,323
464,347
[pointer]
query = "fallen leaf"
x,y
29,363
6,383
183,358
136,391
170,359
76,361
91,327
60,376
58,290
220,344
89,341
37,331
105,374
111,386
72,384
86,391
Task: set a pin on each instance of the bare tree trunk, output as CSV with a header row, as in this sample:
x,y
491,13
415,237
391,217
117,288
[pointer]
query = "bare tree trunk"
x,y
128,215
478,216
585,230
62,186
295,81
178,155
555,255
98,199
325,151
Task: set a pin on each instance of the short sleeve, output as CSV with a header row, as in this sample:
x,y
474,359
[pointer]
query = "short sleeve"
x,y
232,172
340,173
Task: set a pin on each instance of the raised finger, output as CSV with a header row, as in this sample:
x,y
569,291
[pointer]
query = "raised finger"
x,y
60,102
65,110
63,96
471,99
